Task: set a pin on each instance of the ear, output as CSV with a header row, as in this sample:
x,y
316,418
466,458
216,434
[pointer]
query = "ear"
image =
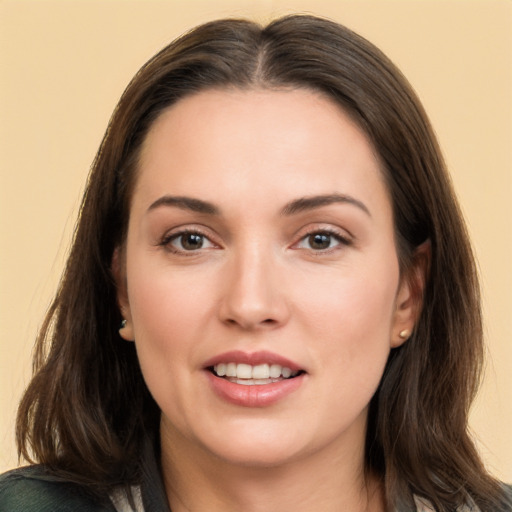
x,y
409,298
118,269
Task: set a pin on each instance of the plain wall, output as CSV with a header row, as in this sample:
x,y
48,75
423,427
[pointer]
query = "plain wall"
x,y
64,64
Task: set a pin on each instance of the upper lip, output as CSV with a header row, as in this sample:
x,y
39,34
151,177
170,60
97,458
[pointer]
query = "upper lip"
x,y
252,358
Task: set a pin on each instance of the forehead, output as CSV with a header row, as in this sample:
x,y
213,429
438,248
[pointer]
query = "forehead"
x,y
257,143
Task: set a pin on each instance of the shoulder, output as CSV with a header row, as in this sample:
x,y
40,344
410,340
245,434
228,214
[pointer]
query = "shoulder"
x,y
31,489
508,493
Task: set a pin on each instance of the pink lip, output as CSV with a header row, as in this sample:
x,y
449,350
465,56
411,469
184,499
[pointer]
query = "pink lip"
x,y
252,358
261,395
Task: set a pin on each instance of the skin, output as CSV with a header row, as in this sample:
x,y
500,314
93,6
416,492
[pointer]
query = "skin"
x,y
258,283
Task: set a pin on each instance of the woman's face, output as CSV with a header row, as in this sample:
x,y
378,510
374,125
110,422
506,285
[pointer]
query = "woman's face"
x,y
260,278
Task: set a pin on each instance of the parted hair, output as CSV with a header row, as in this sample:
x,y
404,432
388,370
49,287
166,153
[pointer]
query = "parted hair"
x,y
87,411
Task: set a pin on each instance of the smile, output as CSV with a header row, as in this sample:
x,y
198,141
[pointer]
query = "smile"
x,y
257,379
249,375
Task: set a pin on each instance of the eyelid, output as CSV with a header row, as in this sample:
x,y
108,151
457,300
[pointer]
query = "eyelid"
x,y
174,233
344,238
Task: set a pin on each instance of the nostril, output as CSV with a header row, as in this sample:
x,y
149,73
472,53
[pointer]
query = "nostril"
x,y
234,321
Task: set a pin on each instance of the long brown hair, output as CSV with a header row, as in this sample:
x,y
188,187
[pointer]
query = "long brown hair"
x,y
87,411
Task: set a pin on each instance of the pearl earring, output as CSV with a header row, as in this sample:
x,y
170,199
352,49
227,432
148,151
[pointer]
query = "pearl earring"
x,y
404,334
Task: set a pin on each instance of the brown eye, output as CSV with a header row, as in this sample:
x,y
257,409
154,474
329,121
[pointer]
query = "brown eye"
x,y
319,241
188,241
191,241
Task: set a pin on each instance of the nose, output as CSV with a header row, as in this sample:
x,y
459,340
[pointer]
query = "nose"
x,y
254,295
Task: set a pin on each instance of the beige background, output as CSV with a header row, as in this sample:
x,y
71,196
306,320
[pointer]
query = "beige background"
x,y
63,65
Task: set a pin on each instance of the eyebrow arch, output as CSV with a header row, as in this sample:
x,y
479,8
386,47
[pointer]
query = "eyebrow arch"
x,y
310,203
186,203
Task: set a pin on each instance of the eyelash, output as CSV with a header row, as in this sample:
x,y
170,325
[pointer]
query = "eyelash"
x,y
342,240
166,242
168,239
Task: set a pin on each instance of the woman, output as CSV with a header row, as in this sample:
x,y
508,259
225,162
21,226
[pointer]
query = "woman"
x,y
271,300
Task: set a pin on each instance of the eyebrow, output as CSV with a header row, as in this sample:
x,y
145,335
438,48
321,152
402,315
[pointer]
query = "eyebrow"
x,y
310,203
186,203
292,208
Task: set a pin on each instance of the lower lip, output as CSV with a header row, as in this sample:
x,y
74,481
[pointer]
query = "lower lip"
x,y
258,395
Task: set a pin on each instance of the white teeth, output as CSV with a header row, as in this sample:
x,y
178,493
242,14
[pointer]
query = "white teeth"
x,y
244,371
231,370
255,382
262,371
275,371
286,372
259,374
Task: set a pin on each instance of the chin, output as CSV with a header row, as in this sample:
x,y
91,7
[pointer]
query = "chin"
x,y
257,457
257,446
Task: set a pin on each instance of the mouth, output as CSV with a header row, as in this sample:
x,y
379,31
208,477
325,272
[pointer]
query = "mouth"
x,y
253,375
256,379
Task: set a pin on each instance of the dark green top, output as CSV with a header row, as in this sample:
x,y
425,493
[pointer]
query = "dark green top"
x,y
32,489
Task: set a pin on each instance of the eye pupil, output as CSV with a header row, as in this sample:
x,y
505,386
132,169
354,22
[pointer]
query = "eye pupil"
x,y
319,241
192,241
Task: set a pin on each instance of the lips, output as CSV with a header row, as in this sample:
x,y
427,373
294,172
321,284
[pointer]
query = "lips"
x,y
253,379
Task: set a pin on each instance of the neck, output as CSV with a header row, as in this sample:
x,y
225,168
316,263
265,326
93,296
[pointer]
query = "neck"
x,y
196,481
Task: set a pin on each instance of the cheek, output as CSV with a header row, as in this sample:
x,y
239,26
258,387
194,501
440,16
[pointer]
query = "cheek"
x,y
167,329
166,310
352,313
356,300
164,302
